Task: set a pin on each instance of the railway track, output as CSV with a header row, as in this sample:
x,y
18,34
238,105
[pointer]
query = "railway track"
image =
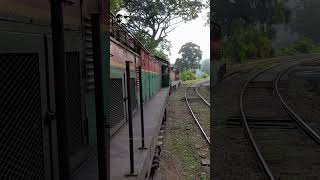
x,y
201,96
303,94
287,148
195,101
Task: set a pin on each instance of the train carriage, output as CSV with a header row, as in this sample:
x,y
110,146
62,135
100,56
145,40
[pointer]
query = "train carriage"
x,y
28,78
120,53
32,137
125,47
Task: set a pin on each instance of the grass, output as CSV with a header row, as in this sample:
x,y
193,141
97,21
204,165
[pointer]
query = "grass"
x,y
193,81
181,147
181,142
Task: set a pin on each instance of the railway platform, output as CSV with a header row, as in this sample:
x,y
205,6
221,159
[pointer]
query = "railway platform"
x,y
154,110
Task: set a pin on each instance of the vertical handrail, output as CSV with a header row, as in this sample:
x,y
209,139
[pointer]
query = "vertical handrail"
x,y
130,117
141,110
99,100
60,89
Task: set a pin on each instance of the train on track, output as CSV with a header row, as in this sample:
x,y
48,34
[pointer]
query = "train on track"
x,y
37,90
156,71
34,34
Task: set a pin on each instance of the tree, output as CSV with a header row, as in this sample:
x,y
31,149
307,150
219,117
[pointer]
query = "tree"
x,y
205,66
303,45
247,43
255,12
190,57
151,21
116,5
207,5
305,21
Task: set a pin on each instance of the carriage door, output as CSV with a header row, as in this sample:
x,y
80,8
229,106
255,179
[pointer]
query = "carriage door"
x,y
77,126
117,105
77,129
24,139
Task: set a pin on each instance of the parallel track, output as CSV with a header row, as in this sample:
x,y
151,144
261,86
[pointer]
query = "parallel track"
x,y
204,134
203,99
257,123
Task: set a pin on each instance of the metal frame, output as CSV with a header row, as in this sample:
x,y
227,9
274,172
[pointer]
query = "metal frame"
x,y
128,78
99,96
114,129
141,110
33,43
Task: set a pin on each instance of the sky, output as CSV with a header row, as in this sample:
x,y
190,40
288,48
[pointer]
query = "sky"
x,y
191,31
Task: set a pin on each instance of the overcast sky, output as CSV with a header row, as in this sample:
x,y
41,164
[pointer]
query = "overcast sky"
x,y
192,31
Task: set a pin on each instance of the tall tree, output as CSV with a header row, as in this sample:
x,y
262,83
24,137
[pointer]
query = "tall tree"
x,y
153,20
205,66
258,12
305,19
115,5
190,57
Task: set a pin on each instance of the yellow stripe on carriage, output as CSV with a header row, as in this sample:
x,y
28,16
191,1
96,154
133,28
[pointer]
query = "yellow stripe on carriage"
x,y
118,65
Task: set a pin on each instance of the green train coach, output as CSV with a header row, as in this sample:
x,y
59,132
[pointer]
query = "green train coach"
x,y
32,140
48,96
125,47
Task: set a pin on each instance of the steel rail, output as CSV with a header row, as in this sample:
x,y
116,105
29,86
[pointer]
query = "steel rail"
x,y
292,114
203,99
195,118
245,122
246,126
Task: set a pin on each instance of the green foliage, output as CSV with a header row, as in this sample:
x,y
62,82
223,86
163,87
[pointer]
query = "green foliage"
x,y
190,57
205,75
115,5
282,13
161,50
305,21
160,54
205,66
302,45
227,12
151,21
247,43
207,6
316,49
188,75
286,51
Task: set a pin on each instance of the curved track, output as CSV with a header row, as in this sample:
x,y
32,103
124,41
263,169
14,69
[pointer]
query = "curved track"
x,y
269,122
293,115
203,99
204,131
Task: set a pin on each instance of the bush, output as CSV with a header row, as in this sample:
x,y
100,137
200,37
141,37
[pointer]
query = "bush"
x,y
302,45
188,75
316,49
286,51
246,42
205,75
